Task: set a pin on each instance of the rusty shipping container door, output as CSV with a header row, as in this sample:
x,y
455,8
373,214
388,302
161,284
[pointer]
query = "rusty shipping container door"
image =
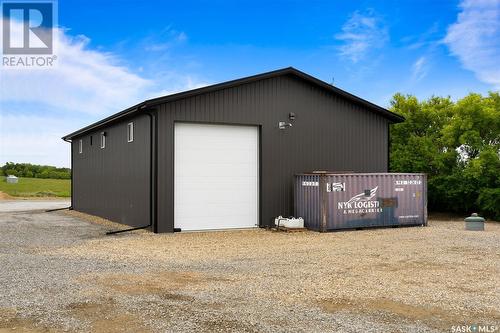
x,y
329,201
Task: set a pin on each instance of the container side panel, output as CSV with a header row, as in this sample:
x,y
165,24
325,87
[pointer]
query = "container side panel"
x,y
307,201
376,200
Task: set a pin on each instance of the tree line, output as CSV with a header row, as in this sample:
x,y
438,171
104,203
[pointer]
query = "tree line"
x,y
457,144
35,171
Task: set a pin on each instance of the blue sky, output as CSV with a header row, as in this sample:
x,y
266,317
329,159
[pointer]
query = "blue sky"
x,y
112,54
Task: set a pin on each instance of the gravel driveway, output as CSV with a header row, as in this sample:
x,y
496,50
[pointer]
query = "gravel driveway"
x,y
59,272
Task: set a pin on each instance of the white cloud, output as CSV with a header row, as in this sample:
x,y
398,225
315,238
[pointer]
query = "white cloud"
x,y
427,39
39,106
419,69
361,34
34,139
82,80
164,40
181,36
475,39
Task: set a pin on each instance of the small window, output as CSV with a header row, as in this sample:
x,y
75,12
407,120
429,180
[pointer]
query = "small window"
x,y
80,146
91,140
103,140
130,132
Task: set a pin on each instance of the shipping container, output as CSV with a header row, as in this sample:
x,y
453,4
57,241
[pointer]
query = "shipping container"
x,y
330,201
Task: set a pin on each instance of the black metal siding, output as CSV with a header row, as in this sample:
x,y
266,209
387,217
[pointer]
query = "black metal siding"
x,y
114,182
329,133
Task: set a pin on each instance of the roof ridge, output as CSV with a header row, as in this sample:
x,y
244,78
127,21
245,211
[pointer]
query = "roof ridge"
x,y
232,83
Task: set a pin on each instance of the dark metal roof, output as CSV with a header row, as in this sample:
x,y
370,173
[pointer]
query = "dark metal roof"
x,y
285,71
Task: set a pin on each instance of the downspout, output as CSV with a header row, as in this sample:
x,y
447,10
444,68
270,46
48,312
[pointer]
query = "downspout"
x,y
153,176
153,173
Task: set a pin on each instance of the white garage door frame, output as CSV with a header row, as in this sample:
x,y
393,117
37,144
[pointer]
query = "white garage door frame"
x,y
185,223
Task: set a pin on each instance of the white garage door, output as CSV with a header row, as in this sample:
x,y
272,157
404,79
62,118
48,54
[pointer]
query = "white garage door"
x,y
216,176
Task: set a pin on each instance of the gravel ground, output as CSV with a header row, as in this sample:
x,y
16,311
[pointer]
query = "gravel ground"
x,y
59,272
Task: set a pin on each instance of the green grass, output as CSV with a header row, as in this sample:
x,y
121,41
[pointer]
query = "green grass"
x,y
37,187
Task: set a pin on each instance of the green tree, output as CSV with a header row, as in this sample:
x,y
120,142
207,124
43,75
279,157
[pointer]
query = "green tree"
x,y
417,144
475,124
456,144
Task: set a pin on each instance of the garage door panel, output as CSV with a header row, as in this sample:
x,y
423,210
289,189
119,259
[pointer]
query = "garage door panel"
x,y
216,176
226,157
208,223
222,143
232,212
224,194
212,181
212,205
221,156
215,171
202,165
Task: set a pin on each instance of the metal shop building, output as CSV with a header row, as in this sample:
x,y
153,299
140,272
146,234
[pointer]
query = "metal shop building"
x,y
223,156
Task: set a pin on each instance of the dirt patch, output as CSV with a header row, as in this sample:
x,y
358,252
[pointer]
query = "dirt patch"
x,y
430,316
227,325
338,305
405,265
168,287
175,297
106,316
5,196
165,284
10,322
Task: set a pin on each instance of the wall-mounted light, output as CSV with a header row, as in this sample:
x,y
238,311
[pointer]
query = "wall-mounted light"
x,y
282,125
291,116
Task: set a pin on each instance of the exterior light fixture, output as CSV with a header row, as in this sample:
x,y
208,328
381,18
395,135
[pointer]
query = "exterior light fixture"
x,y
283,125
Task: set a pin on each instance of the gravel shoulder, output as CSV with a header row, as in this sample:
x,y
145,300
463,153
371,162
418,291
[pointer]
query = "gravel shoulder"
x,y
61,273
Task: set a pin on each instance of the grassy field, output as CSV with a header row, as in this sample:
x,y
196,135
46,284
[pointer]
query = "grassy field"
x,y
36,187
